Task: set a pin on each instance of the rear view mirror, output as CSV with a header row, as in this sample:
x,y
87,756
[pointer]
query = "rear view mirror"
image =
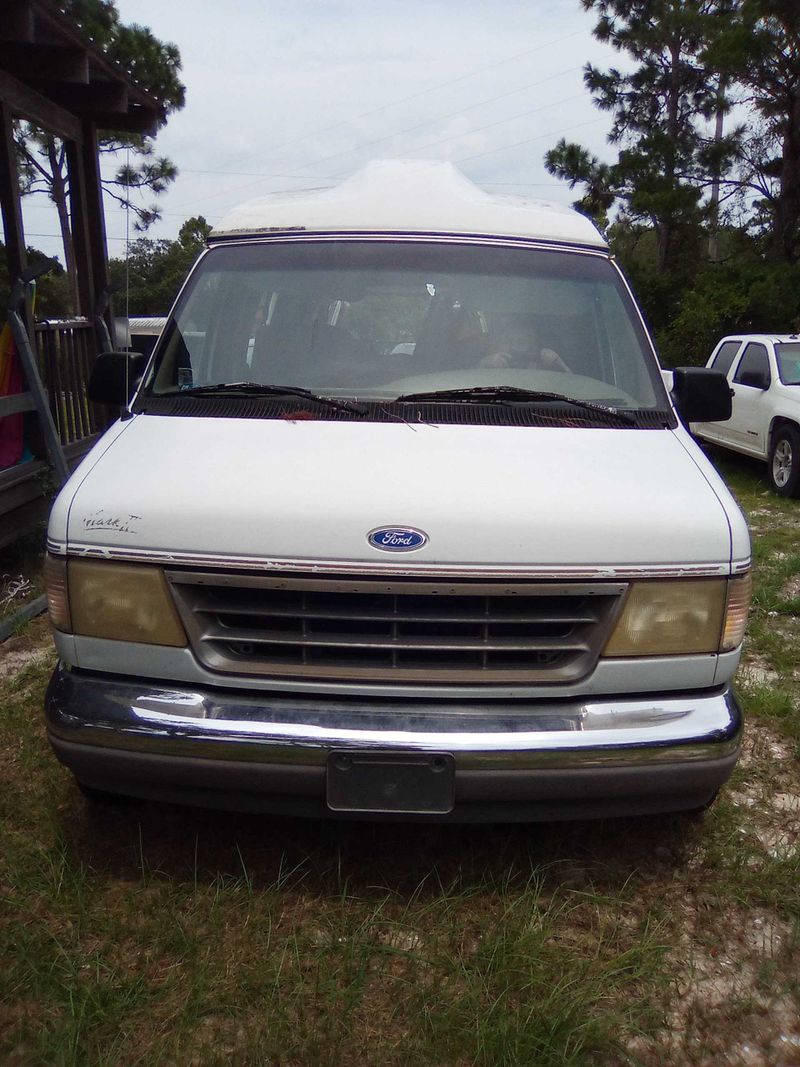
x,y
701,395
115,376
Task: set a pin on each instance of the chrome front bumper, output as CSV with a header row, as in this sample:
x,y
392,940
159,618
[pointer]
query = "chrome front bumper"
x,y
513,759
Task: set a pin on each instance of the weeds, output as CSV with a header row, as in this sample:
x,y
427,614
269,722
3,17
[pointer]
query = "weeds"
x,y
143,934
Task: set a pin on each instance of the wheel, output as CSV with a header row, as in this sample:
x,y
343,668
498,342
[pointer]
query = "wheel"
x,y
783,468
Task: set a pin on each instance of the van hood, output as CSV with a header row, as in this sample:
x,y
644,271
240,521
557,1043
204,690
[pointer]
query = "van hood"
x,y
535,500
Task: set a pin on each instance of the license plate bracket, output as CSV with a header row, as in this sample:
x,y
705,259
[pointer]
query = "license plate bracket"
x,y
382,783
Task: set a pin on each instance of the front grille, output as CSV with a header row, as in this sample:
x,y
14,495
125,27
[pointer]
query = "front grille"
x,y
396,631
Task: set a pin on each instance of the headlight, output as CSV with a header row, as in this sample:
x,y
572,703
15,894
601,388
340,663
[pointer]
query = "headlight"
x,y
681,617
120,601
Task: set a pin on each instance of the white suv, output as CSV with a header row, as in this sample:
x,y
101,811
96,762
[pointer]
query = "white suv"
x,y
764,372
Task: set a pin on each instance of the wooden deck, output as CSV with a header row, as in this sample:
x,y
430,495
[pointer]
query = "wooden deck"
x,y
57,77
66,350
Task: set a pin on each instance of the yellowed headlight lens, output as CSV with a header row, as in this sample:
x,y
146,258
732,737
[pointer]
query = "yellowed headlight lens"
x,y
740,592
124,602
670,618
55,580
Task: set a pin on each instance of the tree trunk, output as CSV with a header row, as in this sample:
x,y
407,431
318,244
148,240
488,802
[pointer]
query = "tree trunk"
x,y
785,237
666,227
58,193
713,207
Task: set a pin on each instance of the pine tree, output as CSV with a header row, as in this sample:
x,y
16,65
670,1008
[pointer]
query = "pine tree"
x,y
42,157
761,49
661,110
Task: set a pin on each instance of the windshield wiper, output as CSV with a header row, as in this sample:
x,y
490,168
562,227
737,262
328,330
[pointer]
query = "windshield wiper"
x,y
261,389
505,394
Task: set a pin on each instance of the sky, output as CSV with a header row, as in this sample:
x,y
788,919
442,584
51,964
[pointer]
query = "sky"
x,y
295,94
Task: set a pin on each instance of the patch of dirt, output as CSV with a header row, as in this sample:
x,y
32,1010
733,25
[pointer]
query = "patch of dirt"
x,y
734,998
757,673
19,650
733,959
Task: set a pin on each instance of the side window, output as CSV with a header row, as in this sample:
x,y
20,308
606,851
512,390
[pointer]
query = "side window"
x,y
724,358
754,365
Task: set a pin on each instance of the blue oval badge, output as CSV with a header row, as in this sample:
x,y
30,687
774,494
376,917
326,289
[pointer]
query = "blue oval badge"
x,y
397,538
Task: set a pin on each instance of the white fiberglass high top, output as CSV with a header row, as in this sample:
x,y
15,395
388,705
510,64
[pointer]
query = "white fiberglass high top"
x,y
409,196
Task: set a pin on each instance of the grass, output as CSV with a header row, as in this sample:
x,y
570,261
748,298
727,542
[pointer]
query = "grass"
x,y
147,934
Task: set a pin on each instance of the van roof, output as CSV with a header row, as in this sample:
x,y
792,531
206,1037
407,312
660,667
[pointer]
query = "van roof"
x,y
152,324
775,338
408,196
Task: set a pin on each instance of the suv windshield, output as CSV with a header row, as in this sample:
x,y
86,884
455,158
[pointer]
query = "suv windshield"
x,y
788,354
385,318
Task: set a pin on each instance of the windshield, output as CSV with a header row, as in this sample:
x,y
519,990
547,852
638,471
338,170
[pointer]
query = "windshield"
x,y
382,319
788,354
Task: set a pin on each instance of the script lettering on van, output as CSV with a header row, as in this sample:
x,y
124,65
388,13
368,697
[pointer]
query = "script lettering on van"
x,y
397,538
101,520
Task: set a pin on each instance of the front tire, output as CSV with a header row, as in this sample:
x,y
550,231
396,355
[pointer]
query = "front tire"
x,y
783,466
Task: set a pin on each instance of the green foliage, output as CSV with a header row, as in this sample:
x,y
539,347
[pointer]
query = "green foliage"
x,y
760,48
744,295
53,298
659,110
690,308
577,166
707,226
156,268
42,158
153,63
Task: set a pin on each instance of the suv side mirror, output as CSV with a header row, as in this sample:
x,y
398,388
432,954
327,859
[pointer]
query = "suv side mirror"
x,y
115,376
701,395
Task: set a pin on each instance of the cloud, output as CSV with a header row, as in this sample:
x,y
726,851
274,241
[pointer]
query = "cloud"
x,y
297,92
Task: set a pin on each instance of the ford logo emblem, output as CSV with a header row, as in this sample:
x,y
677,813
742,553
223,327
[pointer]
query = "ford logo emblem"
x,y
397,538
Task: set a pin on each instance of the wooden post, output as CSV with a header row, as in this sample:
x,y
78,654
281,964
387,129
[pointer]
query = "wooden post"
x,y
81,236
27,356
95,217
10,197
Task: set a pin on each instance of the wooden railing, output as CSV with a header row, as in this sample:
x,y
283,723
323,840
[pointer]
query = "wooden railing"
x,y
67,349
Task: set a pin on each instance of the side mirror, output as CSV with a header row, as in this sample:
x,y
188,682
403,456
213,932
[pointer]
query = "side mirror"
x,y
701,395
756,379
115,376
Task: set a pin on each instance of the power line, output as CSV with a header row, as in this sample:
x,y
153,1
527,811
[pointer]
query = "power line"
x,y
253,174
488,126
57,236
419,148
530,140
388,136
413,96
430,89
526,185
450,115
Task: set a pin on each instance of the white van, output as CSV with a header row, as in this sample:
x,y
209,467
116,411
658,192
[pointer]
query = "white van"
x,y
401,521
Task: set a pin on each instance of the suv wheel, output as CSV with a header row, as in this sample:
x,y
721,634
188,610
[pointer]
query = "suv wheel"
x,y
784,462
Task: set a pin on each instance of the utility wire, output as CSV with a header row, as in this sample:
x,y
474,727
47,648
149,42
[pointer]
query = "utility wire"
x,y
450,115
413,96
430,89
530,140
488,126
419,148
